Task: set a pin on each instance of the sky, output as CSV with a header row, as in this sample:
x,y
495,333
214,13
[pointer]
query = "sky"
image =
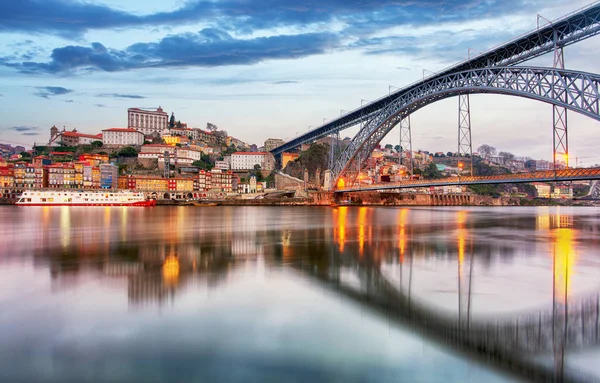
x,y
270,68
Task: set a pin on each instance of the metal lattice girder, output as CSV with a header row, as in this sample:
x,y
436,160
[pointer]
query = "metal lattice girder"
x,y
577,91
565,31
465,147
406,143
560,137
576,174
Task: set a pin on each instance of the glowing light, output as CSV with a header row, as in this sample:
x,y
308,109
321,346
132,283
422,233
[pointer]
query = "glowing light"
x,y
362,220
341,183
341,225
402,233
460,165
170,270
564,261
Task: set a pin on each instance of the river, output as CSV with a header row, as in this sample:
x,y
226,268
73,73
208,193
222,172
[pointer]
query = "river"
x,y
269,294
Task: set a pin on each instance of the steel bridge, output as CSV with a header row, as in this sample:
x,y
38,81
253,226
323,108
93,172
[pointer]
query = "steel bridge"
x,y
539,176
489,72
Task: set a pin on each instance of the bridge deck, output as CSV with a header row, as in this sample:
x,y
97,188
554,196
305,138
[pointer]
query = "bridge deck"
x,y
563,175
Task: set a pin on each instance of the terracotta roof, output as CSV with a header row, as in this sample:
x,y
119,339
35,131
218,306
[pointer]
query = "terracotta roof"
x,y
76,134
252,153
120,130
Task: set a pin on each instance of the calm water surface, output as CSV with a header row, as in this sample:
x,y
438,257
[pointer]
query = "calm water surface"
x,y
243,294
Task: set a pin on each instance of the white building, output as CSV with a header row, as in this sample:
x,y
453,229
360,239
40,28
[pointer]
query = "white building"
x,y
223,165
122,137
247,160
148,122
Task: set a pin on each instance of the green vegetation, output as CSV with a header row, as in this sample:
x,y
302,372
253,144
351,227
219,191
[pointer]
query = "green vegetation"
x,y
97,144
316,157
127,151
204,163
432,172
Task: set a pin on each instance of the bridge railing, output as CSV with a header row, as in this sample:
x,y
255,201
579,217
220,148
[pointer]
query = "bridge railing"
x,y
545,175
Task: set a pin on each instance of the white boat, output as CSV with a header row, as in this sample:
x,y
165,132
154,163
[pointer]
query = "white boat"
x,y
83,198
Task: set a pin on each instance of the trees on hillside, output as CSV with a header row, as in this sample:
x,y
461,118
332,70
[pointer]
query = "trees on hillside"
x,y
486,151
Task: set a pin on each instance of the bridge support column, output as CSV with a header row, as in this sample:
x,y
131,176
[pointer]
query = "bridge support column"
x,y
406,142
559,114
465,148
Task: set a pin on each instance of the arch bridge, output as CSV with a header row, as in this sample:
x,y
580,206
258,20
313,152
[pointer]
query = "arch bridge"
x,y
490,72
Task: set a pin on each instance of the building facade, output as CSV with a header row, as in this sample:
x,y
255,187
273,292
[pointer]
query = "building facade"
x,y
122,137
247,160
149,122
109,176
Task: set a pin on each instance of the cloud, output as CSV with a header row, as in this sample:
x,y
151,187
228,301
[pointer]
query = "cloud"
x,y
48,91
207,48
25,130
117,95
72,19
285,82
69,101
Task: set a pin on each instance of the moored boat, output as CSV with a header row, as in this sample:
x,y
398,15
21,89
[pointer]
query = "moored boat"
x,y
83,198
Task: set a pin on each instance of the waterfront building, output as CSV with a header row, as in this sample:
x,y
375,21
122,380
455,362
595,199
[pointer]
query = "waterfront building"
x,y
7,176
122,137
149,122
109,176
147,183
543,190
562,191
215,180
20,169
247,160
272,143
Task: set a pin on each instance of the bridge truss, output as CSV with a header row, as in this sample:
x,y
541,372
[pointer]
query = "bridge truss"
x,y
560,33
576,91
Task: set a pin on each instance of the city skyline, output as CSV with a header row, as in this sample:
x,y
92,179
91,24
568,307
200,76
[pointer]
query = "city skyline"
x,y
268,69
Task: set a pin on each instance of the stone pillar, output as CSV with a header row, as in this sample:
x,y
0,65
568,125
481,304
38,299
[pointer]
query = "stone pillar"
x,y
327,180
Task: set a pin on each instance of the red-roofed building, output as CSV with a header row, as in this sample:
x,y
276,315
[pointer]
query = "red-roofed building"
x,y
122,137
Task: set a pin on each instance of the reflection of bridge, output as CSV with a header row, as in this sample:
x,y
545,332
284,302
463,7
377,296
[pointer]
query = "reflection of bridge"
x,y
489,72
542,176
508,342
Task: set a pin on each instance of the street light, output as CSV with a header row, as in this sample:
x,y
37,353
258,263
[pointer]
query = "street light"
x,y
460,167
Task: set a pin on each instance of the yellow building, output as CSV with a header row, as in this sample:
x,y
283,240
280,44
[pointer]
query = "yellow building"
x,y
7,177
287,157
151,183
185,184
172,140
78,166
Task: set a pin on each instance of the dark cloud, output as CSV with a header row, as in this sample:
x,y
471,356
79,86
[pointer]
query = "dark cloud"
x,y
29,134
71,19
48,91
117,95
69,101
207,48
100,105
24,129
285,82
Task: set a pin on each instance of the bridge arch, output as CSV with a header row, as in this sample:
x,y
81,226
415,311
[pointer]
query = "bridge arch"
x,y
576,91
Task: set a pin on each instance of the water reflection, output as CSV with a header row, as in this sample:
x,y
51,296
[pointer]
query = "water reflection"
x,y
463,265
